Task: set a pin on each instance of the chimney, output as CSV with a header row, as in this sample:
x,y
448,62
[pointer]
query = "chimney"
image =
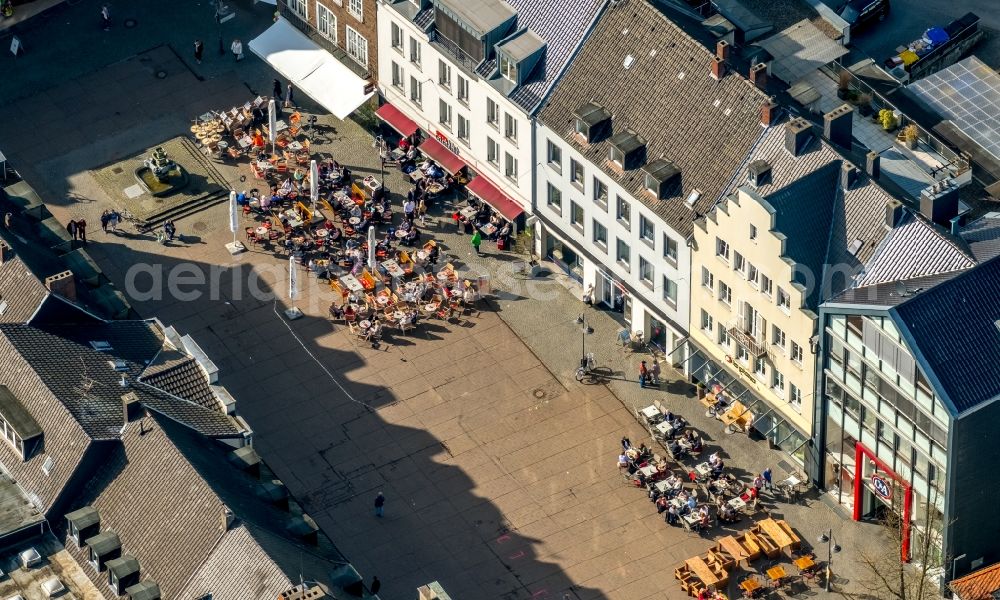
x,y
6,252
956,225
873,165
893,213
228,518
722,50
769,113
837,126
63,284
132,408
848,176
798,132
758,75
718,68
939,202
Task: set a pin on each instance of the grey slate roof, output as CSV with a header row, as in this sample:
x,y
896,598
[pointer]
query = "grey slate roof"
x,y
703,125
179,375
891,293
20,291
953,329
563,24
482,15
207,421
982,236
915,248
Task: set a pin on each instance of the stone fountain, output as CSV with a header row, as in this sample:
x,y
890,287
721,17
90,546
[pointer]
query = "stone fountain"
x,y
159,175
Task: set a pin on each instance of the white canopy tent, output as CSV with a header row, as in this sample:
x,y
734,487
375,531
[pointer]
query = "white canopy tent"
x,y
310,69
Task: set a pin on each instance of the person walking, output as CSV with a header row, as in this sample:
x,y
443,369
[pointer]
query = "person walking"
x,y
106,17
290,97
81,227
643,374
71,228
7,218
767,479
379,505
105,219
199,51
276,90
113,219
626,443
654,372
376,585
422,212
237,49
477,239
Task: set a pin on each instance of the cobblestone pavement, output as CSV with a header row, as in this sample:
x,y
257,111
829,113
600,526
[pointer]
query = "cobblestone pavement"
x,y
498,466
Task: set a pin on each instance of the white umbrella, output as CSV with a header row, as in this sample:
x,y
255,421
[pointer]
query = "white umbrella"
x,y
314,183
293,279
371,247
233,214
272,122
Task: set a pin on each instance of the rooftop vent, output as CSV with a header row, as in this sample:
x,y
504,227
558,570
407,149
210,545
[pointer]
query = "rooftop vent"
x,y
53,587
118,365
101,346
855,247
629,61
29,558
798,132
759,173
593,122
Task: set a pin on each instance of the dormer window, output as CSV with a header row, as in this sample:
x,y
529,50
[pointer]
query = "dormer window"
x,y
593,122
628,150
18,427
83,524
508,68
518,55
104,547
658,177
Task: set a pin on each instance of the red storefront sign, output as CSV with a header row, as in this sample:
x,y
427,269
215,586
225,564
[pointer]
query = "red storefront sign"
x,y
884,490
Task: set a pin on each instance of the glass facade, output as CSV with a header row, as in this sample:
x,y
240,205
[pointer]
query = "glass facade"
x,y
874,394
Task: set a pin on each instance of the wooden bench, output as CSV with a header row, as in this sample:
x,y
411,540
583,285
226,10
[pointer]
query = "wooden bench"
x,y
796,541
766,544
749,543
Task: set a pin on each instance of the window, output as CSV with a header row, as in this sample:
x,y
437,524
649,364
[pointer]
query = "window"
x,y
670,249
722,249
508,68
765,285
576,215
723,336
397,76
444,74
778,382
463,129
617,157
652,185
416,91
397,37
600,234
356,8
414,51
300,8
576,173
492,152
670,291
553,155
444,114
624,254
796,353
646,271
510,167
739,263
600,193
784,301
742,354
463,90
326,22
707,323
760,367
725,293
753,232
492,113
624,213
795,396
510,127
752,274
778,337
357,47
646,229
555,199
708,280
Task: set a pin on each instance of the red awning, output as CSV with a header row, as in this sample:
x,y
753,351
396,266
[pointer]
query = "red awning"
x,y
400,122
488,193
448,160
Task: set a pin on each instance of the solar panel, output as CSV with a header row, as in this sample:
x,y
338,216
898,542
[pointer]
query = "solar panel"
x,y
968,93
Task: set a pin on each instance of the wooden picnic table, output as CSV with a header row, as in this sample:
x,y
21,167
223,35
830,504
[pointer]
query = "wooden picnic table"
x,y
776,573
750,585
702,571
734,548
776,532
805,563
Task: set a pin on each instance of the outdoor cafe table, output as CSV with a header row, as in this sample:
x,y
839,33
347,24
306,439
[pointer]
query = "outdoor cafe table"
x,y
703,469
393,269
733,547
804,563
417,175
664,427
648,471
650,411
702,571
371,183
750,585
777,534
488,229
352,283
737,503
261,232
776,573
468,212
661,486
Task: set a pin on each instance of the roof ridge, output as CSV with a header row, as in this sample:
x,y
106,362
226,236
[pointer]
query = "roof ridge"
x,y
190,404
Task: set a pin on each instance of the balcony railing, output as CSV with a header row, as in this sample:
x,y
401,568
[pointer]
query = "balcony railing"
x,y
461,57
756,347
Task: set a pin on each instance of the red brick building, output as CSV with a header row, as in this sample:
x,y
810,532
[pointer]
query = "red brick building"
x,y
345,28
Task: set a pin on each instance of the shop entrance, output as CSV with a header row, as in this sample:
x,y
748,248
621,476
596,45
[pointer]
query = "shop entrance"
x,y
878,489
605,290
566,257
658,334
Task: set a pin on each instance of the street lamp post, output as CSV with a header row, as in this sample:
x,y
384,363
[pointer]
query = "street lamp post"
x,y
585,329
831,547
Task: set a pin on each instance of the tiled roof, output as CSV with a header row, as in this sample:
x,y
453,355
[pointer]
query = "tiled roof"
x,y
953,327
983,236
180,375
978,585
891,293
704,126
21,293
563,24
914,248
206,421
